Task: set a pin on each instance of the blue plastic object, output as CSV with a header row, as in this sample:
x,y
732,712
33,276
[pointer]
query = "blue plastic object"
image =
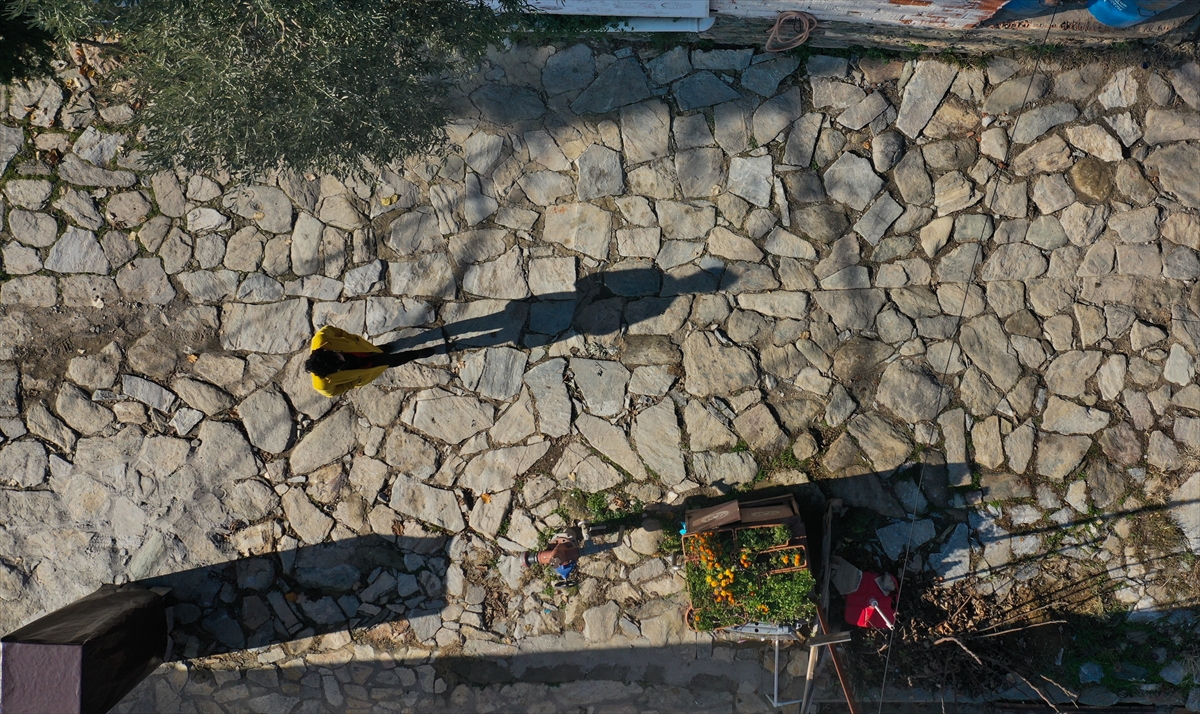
x,y
1127,13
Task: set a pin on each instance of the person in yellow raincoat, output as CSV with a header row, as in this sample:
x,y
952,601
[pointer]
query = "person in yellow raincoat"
x,y
341,361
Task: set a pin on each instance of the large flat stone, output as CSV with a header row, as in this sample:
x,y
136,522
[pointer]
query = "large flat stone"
x,y
1184,506
702,89
497,470
275,328
580,227
851,181
426,503
603,385
657,437
711,368
507,104
612,442
922,95
621,84
448,417
331,439
911,392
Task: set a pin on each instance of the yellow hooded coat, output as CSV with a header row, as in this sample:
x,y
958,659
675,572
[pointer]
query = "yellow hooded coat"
x,y
339,340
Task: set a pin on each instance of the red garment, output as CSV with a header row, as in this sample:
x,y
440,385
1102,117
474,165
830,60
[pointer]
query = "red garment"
x,y
859,610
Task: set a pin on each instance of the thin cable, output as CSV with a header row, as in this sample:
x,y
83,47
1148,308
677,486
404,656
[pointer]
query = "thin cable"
x,y
912,521
803,24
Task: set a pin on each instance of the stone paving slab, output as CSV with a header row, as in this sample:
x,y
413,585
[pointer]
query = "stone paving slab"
x,y
659,272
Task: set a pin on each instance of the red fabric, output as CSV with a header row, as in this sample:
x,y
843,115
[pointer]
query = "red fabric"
x,y
858,604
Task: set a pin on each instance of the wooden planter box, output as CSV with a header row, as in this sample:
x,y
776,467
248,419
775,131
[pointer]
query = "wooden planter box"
x,y
732,524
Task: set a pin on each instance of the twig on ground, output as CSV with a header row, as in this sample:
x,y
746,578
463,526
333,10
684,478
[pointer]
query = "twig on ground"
x,y
1006,666
958,642
1023,627
1068,692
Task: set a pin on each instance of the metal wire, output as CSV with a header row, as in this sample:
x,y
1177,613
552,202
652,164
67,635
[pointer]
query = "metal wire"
x,y
942,389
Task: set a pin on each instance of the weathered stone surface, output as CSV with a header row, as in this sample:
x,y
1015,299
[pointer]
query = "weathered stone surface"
x,y
1184,505
711,368
645,130
1015,93
702,89
1047,156
267,206
1066,417
851,181
911,392
507,104
775,115
1070,371
1058,456
912,179
876,221
275,328
764,77
497,470
751,179
1014,261
599,173
306,519
622,83
23,463
581,227
545,383
922,95
656,435
729,470
851,309
426,503
224,455
669,66
587,471
883,444
79,173
77,251
1035,122
572,68
983,340
603,385
329,440
611,441
267,420
451,418
1095,141
1171,164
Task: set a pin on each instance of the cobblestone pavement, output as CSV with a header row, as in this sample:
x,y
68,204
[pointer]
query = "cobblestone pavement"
x,y
660,271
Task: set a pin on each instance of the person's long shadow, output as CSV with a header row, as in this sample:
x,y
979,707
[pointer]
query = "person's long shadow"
x,y
645,300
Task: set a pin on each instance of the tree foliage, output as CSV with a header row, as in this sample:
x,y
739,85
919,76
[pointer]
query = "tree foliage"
x,y
25,50
309,85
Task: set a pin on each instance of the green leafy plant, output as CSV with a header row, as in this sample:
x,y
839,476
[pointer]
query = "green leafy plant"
x,y
730,582
252,86
757,539
540,29
670,542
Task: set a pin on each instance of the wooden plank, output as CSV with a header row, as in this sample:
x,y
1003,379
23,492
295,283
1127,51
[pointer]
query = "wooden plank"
x,y
829,639
623,8
707,519
1072,27
947,14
